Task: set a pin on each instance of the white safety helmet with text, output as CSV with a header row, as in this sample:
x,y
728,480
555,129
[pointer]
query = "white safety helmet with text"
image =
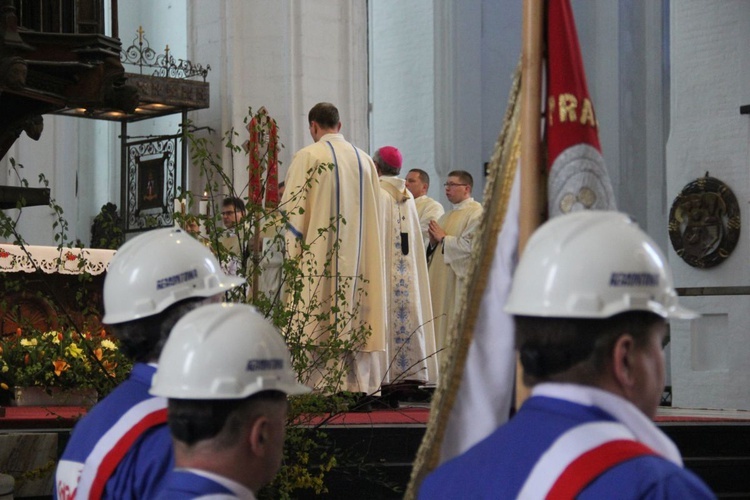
x,y
224,351
157,269
593,264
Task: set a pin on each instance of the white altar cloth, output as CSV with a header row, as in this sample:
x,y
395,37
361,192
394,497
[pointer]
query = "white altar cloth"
x,y
53,260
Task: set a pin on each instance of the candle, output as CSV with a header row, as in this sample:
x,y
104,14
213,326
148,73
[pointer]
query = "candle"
x,y
203,204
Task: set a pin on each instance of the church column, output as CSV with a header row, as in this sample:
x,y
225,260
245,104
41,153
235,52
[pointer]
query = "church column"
x,y
287,56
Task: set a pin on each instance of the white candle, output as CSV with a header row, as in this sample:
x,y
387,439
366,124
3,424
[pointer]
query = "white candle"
x,y
203,204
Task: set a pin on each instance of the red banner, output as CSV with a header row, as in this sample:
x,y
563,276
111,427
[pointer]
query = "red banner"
x,y
578,178
263,128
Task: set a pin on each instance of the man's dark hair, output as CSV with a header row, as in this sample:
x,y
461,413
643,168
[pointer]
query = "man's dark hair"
x,y
464,176
423,176
143,339
193,420
236,203
383,167
550,347
324,114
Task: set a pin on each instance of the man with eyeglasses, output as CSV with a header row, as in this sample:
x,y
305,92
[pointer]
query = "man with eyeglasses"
x,y
449,251
234,245
232,211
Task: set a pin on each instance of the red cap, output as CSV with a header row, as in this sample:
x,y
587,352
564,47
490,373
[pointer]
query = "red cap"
x,y
391,155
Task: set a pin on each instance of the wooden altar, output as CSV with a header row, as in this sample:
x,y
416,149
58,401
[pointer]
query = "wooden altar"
x,y
43,287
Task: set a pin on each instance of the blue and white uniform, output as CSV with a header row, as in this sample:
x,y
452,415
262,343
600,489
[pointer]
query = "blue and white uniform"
x,y
122,448
556,431
196,484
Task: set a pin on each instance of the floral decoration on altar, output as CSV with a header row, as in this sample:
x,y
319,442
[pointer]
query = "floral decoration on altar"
x,y
64,359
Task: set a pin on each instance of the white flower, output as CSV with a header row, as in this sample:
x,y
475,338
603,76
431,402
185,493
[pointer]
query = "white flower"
x,y
109,345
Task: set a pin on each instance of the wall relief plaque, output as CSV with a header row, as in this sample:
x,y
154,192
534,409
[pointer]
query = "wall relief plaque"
x,y
704,222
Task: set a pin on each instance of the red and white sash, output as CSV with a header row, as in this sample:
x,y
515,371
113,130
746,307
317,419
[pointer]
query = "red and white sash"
x,y
87,480
578,457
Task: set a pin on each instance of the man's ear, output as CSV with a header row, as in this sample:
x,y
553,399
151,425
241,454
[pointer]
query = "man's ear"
x,y
624,363
338,127
258,436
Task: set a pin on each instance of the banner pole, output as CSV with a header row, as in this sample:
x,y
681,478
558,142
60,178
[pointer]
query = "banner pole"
x,y
530,213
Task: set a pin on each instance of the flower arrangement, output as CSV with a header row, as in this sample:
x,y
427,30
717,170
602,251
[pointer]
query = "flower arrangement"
x,y
65,359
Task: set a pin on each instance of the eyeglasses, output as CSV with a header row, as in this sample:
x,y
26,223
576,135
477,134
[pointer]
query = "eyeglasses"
x,y
453,184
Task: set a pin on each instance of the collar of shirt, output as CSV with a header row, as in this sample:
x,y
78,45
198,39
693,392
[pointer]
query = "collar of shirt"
x,y
332,137
241,491
463,204
623,410
398,184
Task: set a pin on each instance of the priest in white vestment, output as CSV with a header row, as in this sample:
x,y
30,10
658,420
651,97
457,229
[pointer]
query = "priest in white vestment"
x,y
451,239
410,351
350,288
428,209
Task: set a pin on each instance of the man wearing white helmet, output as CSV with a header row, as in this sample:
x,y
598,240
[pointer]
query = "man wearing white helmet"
x,y
227,374
122,448
591,298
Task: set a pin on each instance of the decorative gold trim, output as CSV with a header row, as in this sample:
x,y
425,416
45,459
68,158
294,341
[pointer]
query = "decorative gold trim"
x,y
502,171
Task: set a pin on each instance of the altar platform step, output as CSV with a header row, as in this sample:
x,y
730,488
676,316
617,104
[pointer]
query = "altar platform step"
x,y
378,447
715,444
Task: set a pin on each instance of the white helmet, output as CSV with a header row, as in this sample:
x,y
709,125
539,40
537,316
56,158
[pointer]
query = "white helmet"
x,y
593,264
157,269
224,351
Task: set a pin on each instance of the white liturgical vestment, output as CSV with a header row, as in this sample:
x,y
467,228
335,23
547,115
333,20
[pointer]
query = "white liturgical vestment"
x,y
450,263
410,348
347,281
428,209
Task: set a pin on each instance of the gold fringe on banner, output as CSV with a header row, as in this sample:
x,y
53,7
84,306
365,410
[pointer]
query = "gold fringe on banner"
x,y
502,171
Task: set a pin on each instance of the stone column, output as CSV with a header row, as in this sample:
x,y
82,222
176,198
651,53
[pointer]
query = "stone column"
x,y
287,56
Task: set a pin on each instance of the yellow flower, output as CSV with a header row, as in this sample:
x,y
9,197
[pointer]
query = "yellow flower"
x,y
74,351
53,336
28,342
4,386
4,369
60,366
109,345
